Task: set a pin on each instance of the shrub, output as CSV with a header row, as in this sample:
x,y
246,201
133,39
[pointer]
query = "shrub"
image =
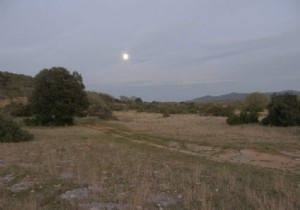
x,y
101,111
11,132
31,121
244,118
249,117
222,111
100,105
18,110
256,102
233,120
284,110
166,115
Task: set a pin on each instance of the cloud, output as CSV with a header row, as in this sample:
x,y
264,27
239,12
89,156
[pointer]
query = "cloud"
x,y
212,45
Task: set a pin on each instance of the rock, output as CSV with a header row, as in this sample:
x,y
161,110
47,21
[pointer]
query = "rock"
x,y
103,206
66,175
6,179
179,196
2,163
163,200
76,194
25,184
139,208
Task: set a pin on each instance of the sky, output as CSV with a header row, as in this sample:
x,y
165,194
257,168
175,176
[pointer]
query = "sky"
x,y
179,49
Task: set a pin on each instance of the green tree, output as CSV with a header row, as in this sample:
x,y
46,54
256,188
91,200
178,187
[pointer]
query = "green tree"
x,y
284,110
256,102
58,96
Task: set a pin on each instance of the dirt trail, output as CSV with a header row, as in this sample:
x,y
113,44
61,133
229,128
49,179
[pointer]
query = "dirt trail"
x,y
289,161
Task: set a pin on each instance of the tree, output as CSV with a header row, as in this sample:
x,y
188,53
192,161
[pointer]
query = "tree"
x,y
284,110
256,102
58,96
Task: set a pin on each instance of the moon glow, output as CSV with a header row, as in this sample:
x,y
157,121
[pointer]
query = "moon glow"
x,y
125,56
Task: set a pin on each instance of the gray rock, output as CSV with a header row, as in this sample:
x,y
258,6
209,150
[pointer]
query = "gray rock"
x,y
163,199
25,184
6,179
103,206
2,163
76,194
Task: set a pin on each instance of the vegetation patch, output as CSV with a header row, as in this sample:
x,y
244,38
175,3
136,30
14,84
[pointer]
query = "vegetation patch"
x,y
284,110
11,132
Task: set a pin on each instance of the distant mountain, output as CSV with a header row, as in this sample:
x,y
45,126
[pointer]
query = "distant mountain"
x,y
236,96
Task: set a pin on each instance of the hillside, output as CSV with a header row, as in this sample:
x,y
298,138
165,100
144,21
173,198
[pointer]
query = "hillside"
x,y
18,87
14,88
235,96
15,85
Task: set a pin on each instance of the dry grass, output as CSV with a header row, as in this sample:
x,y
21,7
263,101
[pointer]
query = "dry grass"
x,y
213,131
137,176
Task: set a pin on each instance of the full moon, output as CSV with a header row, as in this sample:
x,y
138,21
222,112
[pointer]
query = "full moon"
x,y
125,56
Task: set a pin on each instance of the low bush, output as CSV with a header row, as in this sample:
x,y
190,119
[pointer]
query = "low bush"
x,y
166,115
222,111
11,132
234,120
100,111
244,118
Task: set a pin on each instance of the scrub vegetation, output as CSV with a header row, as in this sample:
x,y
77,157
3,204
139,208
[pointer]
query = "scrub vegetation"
x,y
154,156
146,161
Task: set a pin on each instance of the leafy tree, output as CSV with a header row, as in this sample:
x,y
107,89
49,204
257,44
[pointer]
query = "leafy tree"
x,y
58,96
284,110
256,102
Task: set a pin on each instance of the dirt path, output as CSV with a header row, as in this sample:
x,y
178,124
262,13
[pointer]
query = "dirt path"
x,y
287,161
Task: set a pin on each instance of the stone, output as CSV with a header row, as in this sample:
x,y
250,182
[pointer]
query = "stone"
x,y
75,194
103,206
23,185
163,200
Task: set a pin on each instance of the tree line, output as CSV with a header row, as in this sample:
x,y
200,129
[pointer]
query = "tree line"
x,y
59,95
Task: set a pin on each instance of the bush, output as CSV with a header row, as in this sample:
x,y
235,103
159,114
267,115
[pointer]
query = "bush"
x,y
256,102
249,117
166,115
101,111
18,109
100,105
244,118
217,110
11,132
284,110
221,111
31,121
234,120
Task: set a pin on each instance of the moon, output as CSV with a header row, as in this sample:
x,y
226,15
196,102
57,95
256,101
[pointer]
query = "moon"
x,y
125,56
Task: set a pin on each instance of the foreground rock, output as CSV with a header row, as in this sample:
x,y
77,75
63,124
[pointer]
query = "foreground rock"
x,y
103,206
76,194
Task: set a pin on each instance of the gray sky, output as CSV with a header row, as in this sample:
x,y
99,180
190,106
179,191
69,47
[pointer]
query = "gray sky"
x,y
179,49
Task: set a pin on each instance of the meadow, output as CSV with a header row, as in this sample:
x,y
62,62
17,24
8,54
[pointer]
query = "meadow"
x,y
146,161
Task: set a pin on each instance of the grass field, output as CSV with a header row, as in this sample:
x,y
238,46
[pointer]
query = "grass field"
x,y
145,161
